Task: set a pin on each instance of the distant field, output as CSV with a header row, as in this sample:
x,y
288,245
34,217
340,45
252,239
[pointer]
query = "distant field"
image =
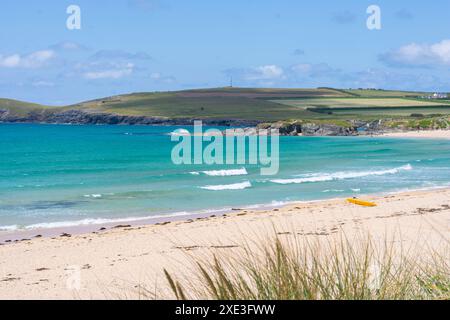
x,y
266,105
383,93
207,107
216,103
383,112
339,108
357,102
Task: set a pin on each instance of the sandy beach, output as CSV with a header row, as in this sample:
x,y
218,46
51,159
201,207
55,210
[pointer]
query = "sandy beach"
x,y
427,134
117,263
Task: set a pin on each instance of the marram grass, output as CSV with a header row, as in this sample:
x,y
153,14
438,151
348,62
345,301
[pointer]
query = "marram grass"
x,y
318,271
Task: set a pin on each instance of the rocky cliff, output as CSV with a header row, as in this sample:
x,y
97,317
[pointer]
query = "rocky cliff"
x,y
293,128
81,117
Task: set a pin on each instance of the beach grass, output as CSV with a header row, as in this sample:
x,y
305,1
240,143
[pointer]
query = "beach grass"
x,y
317,270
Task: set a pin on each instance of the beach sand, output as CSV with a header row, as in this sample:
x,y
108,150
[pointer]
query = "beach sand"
x,y
428,134
117,263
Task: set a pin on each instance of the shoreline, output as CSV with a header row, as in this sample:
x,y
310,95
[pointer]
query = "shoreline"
x,y
116,263
422,134
22,235
8,237
417,134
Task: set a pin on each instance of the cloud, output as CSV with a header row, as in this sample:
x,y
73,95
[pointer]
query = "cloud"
x,y
267,72
158,77
114,73
298,52
310,75
42,83
33,60
68,46
418,55
121,55
112,65
344,17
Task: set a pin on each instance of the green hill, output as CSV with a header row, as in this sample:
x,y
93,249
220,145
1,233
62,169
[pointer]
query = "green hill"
x,y
20,107
254,104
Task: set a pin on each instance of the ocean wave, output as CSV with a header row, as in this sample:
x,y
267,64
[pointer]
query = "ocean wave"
x,y
98,221
9,228
235,186
180,132
96,196
111,221
223,173
323,177
333,190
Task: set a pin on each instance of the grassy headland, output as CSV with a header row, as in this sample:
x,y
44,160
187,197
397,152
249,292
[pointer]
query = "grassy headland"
x,y
328,105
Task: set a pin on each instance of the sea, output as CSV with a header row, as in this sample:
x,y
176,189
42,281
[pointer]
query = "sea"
x,y
76,175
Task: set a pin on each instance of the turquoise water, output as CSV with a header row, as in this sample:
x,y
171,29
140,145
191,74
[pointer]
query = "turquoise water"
x,y
54,175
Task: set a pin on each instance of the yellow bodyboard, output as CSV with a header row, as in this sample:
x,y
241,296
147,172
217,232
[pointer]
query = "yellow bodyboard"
x,y
362,203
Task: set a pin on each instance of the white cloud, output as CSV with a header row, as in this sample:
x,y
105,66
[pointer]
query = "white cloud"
x,y
115,73
10,61
310,75
267,72
42,83
161,78
33,60
68,46
120,55
414,54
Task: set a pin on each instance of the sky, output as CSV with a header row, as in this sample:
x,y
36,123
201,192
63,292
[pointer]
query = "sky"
x,y
126,46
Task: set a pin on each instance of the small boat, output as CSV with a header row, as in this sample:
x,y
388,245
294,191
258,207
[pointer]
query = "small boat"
x,y
362,203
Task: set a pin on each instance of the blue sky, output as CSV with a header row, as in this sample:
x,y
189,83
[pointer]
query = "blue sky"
x,y
158,45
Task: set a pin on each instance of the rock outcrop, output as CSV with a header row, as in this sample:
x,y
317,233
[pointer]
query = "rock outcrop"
x,y
311,129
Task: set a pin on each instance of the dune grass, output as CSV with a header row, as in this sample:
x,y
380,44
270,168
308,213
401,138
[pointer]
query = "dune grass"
x,y
318,271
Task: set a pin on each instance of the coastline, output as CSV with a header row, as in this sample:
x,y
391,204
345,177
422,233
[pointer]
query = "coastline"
x,y
115,263
76,228
423,134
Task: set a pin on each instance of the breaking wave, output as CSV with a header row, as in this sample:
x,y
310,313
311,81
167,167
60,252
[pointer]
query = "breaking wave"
x,y
223,173
323,177
235,186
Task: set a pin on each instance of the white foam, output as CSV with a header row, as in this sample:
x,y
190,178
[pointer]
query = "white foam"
x,y
93,196
235,186
9,228
333,190
180,132
223,173
322,177
99,221
104,221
